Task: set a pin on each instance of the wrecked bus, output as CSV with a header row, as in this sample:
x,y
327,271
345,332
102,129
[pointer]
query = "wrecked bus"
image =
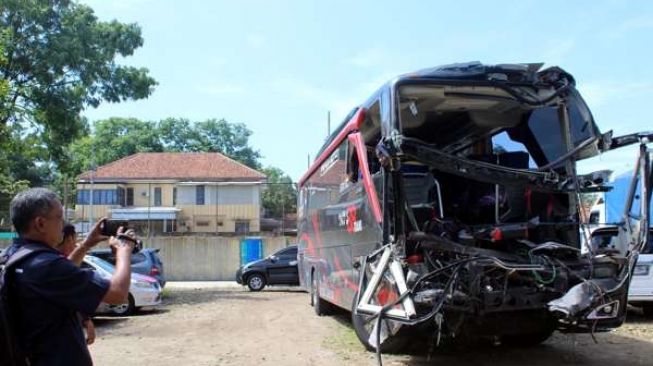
x,y
449,201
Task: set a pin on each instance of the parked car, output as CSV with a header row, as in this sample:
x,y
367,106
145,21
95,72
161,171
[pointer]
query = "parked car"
x,y
144,291
279,268
641,285
146,262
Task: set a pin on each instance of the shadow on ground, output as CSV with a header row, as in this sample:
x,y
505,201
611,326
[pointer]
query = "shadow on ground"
x,y
205,295
613,348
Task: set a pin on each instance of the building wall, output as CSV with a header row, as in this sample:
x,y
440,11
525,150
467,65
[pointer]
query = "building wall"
x,y
144,193
202,258
196,218
224,205
205,258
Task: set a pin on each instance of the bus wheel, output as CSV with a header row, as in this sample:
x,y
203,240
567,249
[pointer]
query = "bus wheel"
x,y
363,328
320,306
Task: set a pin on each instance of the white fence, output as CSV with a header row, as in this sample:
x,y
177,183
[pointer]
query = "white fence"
x,y
206,258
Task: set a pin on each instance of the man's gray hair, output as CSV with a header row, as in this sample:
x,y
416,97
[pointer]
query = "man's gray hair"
x,y
29,204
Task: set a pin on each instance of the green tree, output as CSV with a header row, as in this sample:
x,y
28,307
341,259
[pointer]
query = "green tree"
x,y
113,139
178,134
4,84
280,194
58,60
116,138
231,139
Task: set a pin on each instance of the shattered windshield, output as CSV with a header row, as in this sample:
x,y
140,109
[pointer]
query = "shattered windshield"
x,y
464,120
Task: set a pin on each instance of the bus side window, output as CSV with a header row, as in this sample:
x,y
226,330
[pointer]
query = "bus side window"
x,y
353,167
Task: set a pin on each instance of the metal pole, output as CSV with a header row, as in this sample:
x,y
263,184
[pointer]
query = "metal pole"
x,y
217,203
328,123
149,199
90,211
65,197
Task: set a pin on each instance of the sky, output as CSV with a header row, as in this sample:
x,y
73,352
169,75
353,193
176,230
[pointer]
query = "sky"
x,y
281,66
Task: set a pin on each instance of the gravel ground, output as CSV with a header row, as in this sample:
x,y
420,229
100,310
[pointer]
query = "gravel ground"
x,y
223,324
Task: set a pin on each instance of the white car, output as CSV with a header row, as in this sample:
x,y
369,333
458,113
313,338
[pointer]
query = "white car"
x,y
144,291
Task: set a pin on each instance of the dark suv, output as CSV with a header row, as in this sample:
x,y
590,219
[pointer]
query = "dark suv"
x,y
145,262
279,268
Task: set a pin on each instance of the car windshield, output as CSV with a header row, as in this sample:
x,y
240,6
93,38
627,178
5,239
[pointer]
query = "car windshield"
x,y
104,265
285,252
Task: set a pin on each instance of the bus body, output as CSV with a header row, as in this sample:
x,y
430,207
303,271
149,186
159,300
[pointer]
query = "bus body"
x,y
451,195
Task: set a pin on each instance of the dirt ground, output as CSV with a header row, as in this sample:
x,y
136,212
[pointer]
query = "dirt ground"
x,y
209,325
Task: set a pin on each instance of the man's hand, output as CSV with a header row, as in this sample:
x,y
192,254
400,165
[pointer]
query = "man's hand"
x,y
122,245
95,235
92,239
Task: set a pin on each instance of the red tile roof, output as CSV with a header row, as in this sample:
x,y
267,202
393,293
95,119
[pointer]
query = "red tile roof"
x,y
180,166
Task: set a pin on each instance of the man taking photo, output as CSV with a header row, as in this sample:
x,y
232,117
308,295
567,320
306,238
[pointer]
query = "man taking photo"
x,y
48,291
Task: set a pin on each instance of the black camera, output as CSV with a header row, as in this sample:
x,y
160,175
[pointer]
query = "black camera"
x,y
110,228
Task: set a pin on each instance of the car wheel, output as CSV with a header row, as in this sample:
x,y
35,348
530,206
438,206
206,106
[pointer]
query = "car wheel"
x,y
125,309
648,310
256,282
321,307
363,328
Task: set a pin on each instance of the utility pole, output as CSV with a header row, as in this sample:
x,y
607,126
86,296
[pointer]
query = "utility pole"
x,y
149,203
328,124
65,197
90,211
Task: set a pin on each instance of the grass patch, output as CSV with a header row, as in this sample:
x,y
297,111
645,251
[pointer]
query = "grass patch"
x,y
344,340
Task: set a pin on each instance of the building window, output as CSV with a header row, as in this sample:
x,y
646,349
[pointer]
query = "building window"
x,y
157,196
199,195
130,197
100,197
174,196
121,196
242,226
83,197
171,226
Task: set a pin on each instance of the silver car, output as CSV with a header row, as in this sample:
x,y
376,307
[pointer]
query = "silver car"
x,y
144,291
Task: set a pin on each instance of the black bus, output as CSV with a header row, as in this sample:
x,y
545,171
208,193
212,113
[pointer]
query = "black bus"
x,y
451,195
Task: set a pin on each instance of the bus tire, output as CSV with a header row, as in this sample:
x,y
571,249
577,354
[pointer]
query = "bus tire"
x,y
393,344
321,307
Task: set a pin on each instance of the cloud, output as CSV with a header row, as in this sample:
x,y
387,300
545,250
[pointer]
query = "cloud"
x,y
339,101
329,100
599,93
644,21
618,161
